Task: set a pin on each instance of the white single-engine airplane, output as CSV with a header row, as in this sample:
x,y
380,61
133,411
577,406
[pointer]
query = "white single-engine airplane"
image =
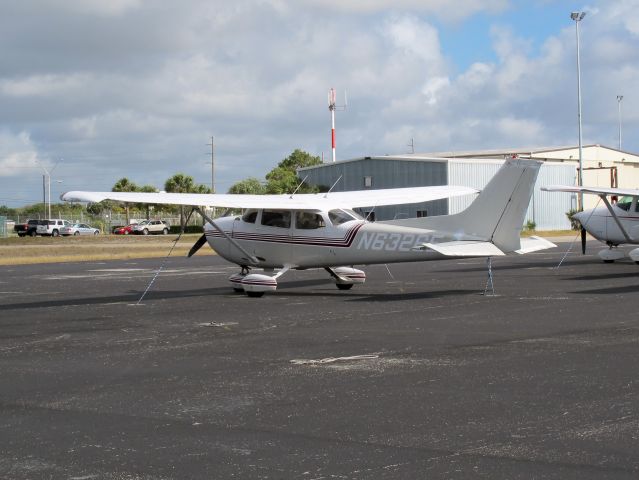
x,y
612,223
305,231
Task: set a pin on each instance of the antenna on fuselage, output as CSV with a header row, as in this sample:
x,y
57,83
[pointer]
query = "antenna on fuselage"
x,y
299,186
329,190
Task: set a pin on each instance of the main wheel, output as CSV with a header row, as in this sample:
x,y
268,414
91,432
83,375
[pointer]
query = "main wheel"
x,y
255,294
76,234
165,231
21,234
55,233
145,231
344,286
33,233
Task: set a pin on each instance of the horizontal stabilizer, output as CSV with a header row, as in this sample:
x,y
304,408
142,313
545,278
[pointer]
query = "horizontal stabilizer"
x,y
620,192
471,248
534,244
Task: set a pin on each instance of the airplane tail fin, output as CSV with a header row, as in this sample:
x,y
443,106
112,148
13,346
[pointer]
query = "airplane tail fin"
x,y
497,214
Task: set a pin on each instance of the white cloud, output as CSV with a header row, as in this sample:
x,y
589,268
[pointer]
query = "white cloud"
x,y
18,154
92,7
442,8
44,85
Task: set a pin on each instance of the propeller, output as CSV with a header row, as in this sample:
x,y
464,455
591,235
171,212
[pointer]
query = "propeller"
x,y
197,245
583,240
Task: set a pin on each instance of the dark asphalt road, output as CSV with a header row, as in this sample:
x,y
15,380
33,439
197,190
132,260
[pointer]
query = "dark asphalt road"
x,y
540,381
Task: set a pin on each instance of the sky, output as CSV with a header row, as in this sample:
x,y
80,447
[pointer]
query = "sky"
x,y
94,91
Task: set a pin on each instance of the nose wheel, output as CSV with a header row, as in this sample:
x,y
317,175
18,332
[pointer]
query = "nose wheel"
x,y
609,255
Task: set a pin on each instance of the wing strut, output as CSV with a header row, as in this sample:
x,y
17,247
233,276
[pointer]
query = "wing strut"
x,y
614,215
251,258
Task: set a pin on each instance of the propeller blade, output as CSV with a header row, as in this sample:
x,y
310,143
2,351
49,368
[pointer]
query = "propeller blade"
x,y
197,245
583,240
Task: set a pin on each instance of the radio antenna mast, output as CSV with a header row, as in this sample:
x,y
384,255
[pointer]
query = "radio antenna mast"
x,y
332,106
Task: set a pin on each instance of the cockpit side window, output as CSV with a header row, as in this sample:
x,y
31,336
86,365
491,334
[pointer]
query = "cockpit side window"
x,y
250,216
276,218
624,203
308,221
339,216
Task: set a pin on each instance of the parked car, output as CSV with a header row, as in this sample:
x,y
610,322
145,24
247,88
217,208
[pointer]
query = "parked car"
x,y
124,230
151,226
29,228
52,227
79,229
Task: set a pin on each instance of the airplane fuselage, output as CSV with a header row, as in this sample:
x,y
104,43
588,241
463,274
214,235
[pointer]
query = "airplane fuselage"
x,y
601,224
351,242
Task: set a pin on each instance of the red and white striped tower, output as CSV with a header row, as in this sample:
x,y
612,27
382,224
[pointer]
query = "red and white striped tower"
x,y
331,107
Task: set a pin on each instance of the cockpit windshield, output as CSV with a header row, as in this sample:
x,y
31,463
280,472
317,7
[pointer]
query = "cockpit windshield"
x,y
624,203
249,216
339,216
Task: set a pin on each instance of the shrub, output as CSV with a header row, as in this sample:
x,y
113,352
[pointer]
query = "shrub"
x,y
574,223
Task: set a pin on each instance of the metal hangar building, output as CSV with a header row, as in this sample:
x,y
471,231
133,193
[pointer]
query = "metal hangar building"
x,y
603,166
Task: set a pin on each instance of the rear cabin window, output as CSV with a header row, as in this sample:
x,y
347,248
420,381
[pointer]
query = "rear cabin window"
x,y
276,218
250,216
308,221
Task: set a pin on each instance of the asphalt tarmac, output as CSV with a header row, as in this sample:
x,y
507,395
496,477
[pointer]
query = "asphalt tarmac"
x,y
414,375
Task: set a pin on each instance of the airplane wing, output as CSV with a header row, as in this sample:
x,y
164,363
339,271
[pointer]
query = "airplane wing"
x,y
354,199
621,192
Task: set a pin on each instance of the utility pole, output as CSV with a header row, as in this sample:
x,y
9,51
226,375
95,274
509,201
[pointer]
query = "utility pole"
x,y
212,145
619,99
44,195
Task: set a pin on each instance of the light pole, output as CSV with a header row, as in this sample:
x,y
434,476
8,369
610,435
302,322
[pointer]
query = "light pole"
x,y
619,99
578,17
47,175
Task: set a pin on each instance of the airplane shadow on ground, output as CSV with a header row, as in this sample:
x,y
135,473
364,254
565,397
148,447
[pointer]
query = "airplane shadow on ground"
x,y
603,276
610,290
358,295
525,266
132,297
284,289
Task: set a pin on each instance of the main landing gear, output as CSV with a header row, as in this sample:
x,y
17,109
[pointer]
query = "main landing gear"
x,y
257,284
609,255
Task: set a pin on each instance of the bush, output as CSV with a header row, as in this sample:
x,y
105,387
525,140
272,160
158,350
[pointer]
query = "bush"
x,y
530,225
574,223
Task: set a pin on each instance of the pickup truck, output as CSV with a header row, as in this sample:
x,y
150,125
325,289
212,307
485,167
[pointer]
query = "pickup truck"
x,y
52,226
28,228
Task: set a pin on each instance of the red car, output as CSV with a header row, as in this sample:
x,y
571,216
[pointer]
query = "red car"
x,y
126,230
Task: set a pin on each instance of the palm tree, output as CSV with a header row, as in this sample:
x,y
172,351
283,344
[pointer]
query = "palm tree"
x,y
125,185
180,183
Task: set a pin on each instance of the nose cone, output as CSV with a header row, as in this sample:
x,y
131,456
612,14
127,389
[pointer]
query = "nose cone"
x,y
582,216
